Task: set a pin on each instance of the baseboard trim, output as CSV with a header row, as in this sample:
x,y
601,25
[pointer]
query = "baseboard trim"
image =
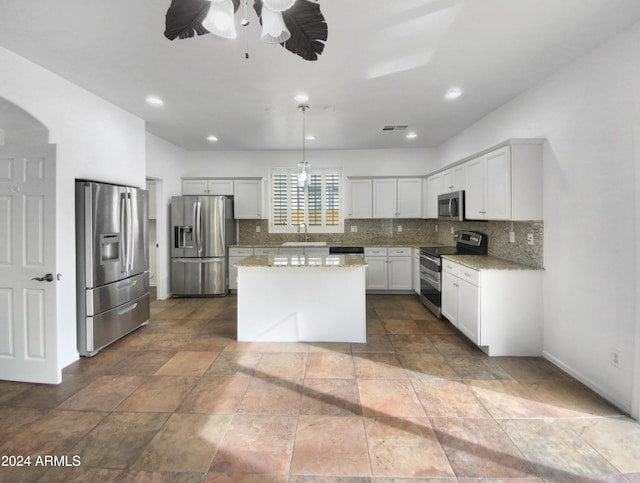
x,y
587,382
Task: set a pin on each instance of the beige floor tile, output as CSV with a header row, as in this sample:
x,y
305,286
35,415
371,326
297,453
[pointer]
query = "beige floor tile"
x,y
394,398
426,365
401,327
229,364
330,397
104,394
341,442
215,395
119,439
418,342
444,398
271,396
478,447
187,442
288,365
375,343
378,365
555,450
509,399
257,444
616,438
405,447
187,364
159,394
329,365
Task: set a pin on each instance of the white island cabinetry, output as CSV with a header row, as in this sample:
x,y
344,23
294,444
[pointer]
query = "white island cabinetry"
x,y
500,310
302,298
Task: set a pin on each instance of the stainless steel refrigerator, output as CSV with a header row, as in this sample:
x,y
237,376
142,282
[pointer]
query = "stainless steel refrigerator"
x,y
202,227
112,274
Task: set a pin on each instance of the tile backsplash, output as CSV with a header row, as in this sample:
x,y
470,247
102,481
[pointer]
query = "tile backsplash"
x,y
416,232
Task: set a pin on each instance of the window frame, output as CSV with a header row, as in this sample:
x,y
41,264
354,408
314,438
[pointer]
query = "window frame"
x,y
289,227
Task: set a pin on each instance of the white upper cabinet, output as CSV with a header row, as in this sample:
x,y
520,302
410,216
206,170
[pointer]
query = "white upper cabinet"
x,y
397,198
506,183
453,179
360,204
248,199
434,188
207,187
409,197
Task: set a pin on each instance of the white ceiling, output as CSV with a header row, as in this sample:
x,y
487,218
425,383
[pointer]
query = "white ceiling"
x,y
385,62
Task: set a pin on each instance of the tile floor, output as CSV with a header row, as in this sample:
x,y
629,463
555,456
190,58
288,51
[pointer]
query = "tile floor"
x,y
181,401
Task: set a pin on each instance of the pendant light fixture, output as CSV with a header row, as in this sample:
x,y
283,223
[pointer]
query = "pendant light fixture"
x,y
219,20
304,178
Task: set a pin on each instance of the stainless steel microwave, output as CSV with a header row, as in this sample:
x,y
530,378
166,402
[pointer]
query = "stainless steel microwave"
x,y
451,206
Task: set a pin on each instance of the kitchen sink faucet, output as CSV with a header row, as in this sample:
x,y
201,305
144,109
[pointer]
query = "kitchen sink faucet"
x,y
306,235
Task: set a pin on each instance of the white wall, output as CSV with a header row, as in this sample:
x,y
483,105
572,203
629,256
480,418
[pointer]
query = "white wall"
x,y
586,112
94,140
164,164
366,162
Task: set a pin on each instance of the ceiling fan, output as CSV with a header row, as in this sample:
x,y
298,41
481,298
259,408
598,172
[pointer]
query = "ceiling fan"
x,y
297,25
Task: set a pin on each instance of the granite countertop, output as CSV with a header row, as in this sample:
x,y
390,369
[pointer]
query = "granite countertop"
x,y
340,244
485,262
326,261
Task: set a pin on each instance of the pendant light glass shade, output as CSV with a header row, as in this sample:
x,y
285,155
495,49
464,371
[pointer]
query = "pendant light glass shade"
x,y
278,5
274,30
219,20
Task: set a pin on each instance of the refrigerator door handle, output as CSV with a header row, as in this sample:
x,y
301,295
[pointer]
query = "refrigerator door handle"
x,y
198,260
195,226
199,228
123,239
130,251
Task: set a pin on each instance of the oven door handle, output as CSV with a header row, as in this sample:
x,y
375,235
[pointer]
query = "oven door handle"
x,y
434,260
424,275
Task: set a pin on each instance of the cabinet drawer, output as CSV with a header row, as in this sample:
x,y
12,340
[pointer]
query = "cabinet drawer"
x,y
469,274
450,267
240,252
375,252
399,252
265,251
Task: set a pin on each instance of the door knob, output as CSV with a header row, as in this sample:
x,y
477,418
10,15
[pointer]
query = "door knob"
x,y
47,278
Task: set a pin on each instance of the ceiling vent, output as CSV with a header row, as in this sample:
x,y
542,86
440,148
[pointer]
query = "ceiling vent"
x,y
399,127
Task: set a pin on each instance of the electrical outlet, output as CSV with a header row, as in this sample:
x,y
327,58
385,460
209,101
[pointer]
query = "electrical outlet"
x,y
512,237
435,227
354,228
530,238
257,228
615,358
452,231
399,228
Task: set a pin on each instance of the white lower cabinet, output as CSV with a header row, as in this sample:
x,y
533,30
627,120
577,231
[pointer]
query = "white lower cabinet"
x,y
389,268
498,310
416,270
235,255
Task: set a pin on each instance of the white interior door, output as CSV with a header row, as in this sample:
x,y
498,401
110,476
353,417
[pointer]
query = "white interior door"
x,y
28,341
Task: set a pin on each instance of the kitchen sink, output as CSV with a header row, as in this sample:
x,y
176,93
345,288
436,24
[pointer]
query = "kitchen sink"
x,y
304,244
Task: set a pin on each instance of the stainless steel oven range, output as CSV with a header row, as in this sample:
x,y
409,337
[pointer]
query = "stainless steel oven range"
x,y
467,243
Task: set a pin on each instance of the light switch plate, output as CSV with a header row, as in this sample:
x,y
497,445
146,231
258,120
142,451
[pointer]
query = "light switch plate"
x,y
354,228
530,238
399,228
257,228
512,237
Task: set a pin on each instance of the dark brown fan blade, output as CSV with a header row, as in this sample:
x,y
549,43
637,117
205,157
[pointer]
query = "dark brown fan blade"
x,y
307,26
184,18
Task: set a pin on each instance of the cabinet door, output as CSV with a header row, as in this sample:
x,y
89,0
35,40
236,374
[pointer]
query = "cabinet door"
x,y
409,197
220,187
195,187
360,198
289,251
458,178
385,198
247,199
469,311
450,297
376,273
498,185
474,194
434,188
416,270
399,273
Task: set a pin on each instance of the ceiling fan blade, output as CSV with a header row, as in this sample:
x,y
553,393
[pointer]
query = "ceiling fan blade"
x,y
307,26
184,18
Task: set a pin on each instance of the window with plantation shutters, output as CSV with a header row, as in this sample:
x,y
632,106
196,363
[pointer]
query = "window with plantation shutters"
x,y
317,204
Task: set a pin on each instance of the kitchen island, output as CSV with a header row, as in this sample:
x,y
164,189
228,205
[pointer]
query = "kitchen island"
x,y
302,298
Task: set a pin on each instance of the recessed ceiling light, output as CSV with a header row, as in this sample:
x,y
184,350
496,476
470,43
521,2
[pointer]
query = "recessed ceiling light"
x,y
310,137
411,135
301,97
154,101
212,138
453,93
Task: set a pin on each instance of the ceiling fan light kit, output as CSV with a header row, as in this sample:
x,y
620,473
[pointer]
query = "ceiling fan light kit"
x,y
297,25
